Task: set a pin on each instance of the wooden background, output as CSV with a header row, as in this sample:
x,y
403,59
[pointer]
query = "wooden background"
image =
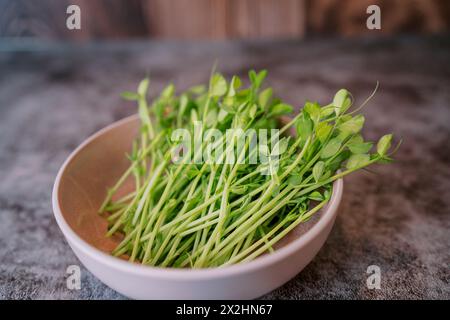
x,y
217,19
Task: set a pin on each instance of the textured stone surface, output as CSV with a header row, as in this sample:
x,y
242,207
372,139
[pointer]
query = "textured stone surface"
x,y
396,217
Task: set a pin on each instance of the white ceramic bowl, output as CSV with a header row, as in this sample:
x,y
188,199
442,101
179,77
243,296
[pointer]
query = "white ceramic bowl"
x,y
79,189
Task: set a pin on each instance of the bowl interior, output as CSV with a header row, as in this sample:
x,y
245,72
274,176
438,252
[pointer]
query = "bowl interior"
x,y
94,167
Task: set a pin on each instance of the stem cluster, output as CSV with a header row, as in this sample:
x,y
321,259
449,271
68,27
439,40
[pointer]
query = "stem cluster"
x,y
190,214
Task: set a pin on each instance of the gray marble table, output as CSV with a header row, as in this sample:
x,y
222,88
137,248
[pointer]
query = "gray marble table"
x,y
396,217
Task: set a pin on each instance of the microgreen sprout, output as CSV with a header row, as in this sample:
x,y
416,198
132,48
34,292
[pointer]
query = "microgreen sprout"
x,y
211,214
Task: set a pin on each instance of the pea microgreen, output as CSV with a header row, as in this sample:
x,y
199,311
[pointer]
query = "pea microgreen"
x,y
209,214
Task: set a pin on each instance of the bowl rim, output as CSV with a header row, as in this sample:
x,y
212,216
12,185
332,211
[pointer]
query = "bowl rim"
x,y
178,273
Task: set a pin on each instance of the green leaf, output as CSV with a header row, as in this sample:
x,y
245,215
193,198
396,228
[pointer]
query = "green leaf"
x,y
280,109
326,175
357,160
131,96
280,147
327,194
184,100
252,111
313,109
217,86
197,90
252,76
211,117
242,106
240,121
192,172
228,105
384,144
222,115
168,91
352,126
264,97
343,118
318,170
316,196
326,111
257,78
294,180
363,147
234,84
243,94
322,131
264,150
194,115
341,101
337,160
143,87
331,148
239,189
261,76
355,139
304,126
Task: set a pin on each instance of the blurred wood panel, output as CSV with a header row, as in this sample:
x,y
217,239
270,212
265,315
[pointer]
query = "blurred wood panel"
x,y
348,17
100,19
217,19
